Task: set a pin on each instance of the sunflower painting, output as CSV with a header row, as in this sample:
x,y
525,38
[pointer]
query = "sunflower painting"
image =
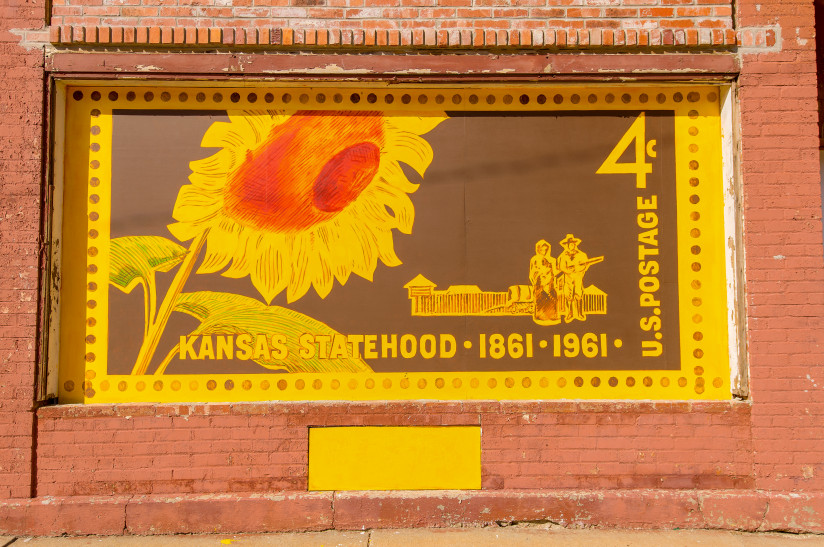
x,y
295,201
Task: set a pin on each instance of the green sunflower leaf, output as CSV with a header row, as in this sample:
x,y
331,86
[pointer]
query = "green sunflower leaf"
x,y
233,314
134,260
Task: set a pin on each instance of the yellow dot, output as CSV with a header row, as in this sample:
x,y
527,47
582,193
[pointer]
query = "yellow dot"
x,y
140,386
456,383
682,381
300,384
492,383
404,383
370,383
335,384
665,382
121,386
561,382
618,342
526,382
317,384
90,374
717,382
509,382
104,385
352,383
421,383
542,344
176,385
467,344
158,385
387,383
264,385
543,382
193,385
474,383
658,335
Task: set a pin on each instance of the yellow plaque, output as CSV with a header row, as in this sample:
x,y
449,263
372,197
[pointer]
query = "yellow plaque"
x,y
395,458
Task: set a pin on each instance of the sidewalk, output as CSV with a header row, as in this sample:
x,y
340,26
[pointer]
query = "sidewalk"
x,y
511,536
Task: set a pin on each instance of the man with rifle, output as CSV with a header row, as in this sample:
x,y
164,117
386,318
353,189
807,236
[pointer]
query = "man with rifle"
x,y
573,263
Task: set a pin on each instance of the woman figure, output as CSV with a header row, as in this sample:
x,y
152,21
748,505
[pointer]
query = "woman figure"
x,y
542,270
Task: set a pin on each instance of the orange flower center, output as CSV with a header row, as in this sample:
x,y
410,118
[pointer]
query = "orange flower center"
x,y
306,171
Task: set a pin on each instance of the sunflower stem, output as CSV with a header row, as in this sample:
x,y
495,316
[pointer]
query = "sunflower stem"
x,y
161,369
149,346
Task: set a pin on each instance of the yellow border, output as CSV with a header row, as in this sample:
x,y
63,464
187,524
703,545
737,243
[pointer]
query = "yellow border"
x,y
700,230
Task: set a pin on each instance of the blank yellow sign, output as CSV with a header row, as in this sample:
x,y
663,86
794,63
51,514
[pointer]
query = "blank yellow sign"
x,y
395,458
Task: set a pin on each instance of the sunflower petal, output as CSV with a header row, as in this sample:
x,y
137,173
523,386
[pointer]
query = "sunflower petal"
x,y
216,164
418,124
267,276
401,207
319,271
216,135
220,247
195,204
391,173
411,150
386,248
338,254
246,252
363,251
371,211
299,280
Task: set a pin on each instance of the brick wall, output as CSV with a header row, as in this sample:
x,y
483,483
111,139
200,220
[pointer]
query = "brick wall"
x,y
782,224
262,447
21,119
772,443
399,14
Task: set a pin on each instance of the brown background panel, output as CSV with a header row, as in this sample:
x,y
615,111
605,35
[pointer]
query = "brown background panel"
x,y
498,183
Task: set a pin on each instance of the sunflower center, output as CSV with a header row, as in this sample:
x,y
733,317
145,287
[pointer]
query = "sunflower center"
x,y
306,171
345,176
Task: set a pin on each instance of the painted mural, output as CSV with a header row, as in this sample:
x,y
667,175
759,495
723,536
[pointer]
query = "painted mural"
x,y
292,249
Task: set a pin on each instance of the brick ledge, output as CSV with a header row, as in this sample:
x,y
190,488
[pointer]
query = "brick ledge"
x,y
305,511
69,411
167,36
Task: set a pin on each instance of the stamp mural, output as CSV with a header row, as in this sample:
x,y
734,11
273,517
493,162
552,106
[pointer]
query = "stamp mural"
x,y
392,243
